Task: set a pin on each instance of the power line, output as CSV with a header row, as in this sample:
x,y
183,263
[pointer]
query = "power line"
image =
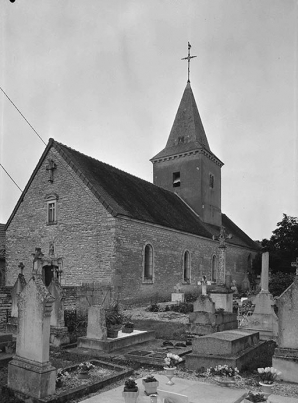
x,y
22,115
10,177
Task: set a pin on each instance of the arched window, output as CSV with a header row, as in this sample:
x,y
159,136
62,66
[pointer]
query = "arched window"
x,y
148,263
213,268
186,267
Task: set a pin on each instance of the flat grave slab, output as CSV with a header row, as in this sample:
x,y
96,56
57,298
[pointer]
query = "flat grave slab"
x,y
229,342
196,392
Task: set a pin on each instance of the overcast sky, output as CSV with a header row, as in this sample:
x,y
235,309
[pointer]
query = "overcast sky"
x,y
105,77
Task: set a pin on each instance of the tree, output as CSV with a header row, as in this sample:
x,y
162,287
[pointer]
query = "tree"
x,y
283,245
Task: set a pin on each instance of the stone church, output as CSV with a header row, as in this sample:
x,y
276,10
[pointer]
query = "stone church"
x,y
105,225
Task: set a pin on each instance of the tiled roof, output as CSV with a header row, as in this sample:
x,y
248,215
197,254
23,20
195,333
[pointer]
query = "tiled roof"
x,y
239,237
2,241
127,195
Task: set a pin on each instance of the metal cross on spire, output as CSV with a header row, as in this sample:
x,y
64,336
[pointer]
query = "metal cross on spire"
x,y
188,60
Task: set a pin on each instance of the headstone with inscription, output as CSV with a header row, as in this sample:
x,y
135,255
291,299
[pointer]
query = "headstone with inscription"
x,y
30,372
177,296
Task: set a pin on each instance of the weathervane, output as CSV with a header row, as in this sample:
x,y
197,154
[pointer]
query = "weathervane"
x,y
188,59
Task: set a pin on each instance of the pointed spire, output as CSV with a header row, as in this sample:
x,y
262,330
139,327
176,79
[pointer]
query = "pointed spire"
x,y
187,132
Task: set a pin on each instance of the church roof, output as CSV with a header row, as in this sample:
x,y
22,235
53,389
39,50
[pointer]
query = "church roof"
x,y
2,241
239,237
127,195
187,132
123,194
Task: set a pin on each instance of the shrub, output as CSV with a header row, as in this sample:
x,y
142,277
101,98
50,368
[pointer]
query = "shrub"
x,y
75,322
154,308
279,282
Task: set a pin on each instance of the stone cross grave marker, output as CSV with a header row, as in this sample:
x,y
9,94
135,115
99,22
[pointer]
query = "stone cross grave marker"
x,y
221,269
204,285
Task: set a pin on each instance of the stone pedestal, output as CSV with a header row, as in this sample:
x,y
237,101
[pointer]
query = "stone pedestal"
x,y
31,378
96,328
222,297
285,357
205,320
177,297
203,323
264,319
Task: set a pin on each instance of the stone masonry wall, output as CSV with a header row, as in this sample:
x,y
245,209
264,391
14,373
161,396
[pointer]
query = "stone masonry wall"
x,y
83,235
5,306
168,250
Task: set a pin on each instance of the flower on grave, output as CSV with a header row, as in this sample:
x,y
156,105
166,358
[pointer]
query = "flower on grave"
x,y
85,366
150,378
223,370
172,360
268,374
61,375
130,385
255,397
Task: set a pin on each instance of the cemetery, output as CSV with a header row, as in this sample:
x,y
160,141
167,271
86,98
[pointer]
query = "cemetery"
x,y
193,342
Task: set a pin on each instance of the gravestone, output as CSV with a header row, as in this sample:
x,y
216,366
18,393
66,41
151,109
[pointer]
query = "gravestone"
x,y
93,294
12,324
30,372
245,285
221,293
205,319
285,357
177,296
234,287
96,328
264,318
59,332
16,290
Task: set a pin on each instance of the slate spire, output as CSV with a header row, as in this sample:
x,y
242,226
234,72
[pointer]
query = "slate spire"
x,y
187,132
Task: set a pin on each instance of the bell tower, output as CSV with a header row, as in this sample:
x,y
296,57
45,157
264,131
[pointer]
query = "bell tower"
x,y
187,166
